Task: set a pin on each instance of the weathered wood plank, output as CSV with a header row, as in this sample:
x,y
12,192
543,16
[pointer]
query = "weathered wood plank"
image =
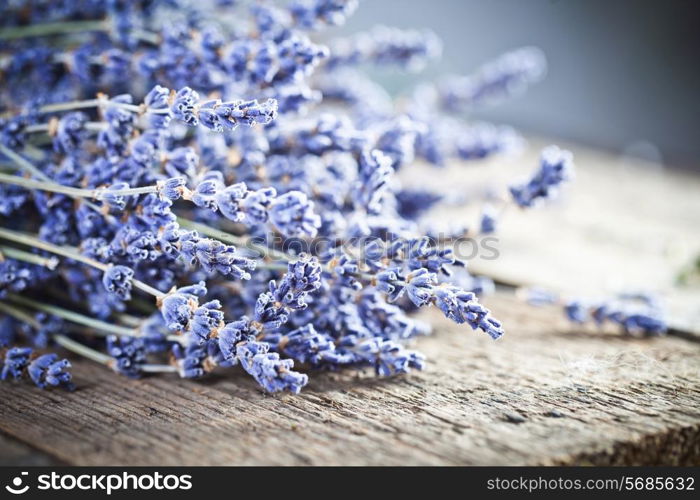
x,y
13,452
545,393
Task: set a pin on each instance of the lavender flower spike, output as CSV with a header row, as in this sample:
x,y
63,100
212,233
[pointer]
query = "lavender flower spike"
x,y
293,215
271,372
48,370
315,13
511,73
129,353
463,307
16,360
220,116
556,167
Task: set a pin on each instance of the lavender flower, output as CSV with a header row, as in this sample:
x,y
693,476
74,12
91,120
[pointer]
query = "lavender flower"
x,y
172,188
509,74
419,287
215,256
178,306
462,307
47,370
575,311
373,182
306,345
16,360
70,132
487,225
483,140
237,203
207,320
643,319
220,116
556,167
410,49
387,357
293,215
303,277
271,372
117,280
314,13
183,106
129,354
195,360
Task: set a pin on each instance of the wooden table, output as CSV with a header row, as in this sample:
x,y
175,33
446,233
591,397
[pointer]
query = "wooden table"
x,y
547,393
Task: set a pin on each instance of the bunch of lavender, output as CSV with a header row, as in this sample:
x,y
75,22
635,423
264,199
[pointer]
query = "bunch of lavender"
x,y
180,194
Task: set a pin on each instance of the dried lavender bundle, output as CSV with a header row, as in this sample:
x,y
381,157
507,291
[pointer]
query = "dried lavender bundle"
x,y
191,185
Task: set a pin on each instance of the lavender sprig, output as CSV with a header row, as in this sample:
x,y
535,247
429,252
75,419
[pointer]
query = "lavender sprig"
x,y
409,49
556,168
509,74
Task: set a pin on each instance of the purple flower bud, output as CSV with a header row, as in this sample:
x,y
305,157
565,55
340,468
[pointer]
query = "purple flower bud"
x,y
70,132
129,354
16,360
556,168
207,320
372,186
183,106
115,200
462,307
419,286
173,188
293,215
182,162
229,200
508,75
117,280
312,14
271,372
47,370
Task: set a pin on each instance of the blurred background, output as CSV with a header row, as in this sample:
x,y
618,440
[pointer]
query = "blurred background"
x,y
623,75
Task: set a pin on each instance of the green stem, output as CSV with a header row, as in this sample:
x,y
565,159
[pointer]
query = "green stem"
x,y
14,253
101,328
64,251
100,103
48,29
81,319
73,192
28,167
70,253
158,369
81,349
23,163
46,127
20,315
60,339
130,320
78,348
225,237
70,106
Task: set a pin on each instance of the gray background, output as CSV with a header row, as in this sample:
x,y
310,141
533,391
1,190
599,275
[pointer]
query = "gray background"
x,y
623,75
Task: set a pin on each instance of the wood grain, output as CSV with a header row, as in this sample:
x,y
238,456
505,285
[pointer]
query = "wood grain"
x,y
16,453
544,394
